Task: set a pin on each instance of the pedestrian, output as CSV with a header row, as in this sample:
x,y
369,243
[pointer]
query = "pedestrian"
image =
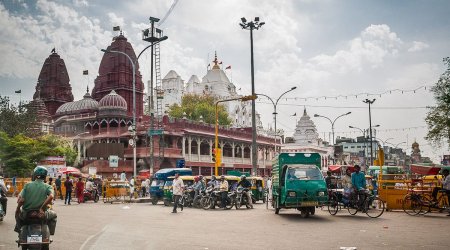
x,y
58,185
177,190
68,184
52,184
80,190
223,188
14,184
269,189
123,176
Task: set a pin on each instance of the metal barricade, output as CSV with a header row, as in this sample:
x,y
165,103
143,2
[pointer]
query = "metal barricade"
x,y
116,191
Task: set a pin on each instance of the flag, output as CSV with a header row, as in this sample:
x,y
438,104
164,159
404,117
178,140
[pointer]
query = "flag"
x,y
85,72
116,28
18,91
228,67
295,114
220,62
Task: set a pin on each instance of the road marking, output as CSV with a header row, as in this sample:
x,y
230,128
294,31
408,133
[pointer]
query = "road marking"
x,y
92,236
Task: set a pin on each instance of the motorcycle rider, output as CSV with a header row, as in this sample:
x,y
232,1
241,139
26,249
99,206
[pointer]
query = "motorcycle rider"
x,y
198,187
89,185
223,187
35,195
3,190
247,189
213,182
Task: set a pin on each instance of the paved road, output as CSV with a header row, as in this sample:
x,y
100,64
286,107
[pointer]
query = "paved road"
x,y
144,226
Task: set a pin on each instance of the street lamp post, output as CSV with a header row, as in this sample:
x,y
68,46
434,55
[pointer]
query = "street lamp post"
x,y
275,109
251,26
370,102
363,131
332,122
133,131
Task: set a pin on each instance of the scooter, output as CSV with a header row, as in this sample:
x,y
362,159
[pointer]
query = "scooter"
x,y
91,195
34,233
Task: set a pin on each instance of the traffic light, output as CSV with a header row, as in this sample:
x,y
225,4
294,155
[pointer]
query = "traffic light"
x,y
214,155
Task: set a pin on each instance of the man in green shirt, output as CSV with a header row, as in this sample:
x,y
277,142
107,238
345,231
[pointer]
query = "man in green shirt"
x,y
36,195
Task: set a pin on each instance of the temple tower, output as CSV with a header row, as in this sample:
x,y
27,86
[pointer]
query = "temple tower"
x,y
53,86
116,73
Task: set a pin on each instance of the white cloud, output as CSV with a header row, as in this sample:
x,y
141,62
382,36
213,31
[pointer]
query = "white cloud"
x,y
115,20
418,46
374,44
81,3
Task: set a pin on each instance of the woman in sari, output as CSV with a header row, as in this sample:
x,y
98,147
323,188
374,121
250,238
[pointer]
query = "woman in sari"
x,y
80,190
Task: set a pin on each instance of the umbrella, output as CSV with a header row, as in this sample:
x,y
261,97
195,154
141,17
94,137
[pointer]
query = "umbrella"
x,y
69,170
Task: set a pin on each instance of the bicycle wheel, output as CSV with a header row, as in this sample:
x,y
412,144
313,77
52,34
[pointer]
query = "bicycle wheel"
x,y
426,204
374,207
333,206
411,204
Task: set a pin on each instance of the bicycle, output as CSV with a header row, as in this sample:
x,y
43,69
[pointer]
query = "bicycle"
x,y
440,204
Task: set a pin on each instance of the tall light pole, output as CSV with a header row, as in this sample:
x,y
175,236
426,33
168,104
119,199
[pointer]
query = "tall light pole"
x,y
149,36
275,103
251,26
332,122
133,130
370,102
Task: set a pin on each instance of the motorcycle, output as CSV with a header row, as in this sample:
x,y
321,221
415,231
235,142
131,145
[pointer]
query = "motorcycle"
x,y
2,213
186,199
241,198
212,198
35,232
91,195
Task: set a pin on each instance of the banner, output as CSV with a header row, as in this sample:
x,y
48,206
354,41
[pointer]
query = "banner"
x,y
113,161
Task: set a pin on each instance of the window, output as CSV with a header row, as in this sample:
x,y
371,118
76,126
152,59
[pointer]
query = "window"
x,y
358,146
346,147
352,146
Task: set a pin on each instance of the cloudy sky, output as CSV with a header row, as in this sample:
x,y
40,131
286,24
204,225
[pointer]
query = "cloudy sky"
x,y
333,51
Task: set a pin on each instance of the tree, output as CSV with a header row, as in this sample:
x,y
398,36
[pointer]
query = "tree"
x,y
195,106
438,118
20,154
16,120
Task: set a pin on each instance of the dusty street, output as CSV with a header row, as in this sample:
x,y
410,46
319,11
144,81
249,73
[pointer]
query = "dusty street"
x,y
144,226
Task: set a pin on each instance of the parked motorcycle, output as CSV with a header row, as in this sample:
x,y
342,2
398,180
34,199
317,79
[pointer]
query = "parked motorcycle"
x,y
35,232
187,199
91,195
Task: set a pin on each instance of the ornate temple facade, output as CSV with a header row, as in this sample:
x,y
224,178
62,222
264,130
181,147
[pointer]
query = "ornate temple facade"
x,y
306,139
99,123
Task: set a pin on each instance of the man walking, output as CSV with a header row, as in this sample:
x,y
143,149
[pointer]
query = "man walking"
x,y
177,188
68,184
58,184
14,184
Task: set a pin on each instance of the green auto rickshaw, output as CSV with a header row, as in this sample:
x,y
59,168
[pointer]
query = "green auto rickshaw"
x,y
258,188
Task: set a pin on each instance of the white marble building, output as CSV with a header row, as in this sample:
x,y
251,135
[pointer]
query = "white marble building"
x,y
306,139
215,83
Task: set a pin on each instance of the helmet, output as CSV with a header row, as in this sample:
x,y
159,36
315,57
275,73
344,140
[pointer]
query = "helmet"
x,y
200,177
196,178
213,177
243,177
40,171
222,177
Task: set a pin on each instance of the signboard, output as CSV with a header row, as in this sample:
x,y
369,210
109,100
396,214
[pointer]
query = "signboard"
x,y
53,164
155,132
92,170
113,161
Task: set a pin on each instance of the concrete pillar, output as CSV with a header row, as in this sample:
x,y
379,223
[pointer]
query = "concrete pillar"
x,y
189,147
199,141
183,146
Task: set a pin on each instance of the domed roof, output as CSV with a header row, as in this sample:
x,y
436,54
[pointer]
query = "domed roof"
x,y
113,101
171,75
85,105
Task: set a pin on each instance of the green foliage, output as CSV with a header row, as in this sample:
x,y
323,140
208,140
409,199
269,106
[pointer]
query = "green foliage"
x,y
16,120
20,154
195,106
438,118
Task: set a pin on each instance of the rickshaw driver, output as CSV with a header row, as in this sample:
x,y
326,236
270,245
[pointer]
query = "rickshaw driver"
x,y
247,189
359,183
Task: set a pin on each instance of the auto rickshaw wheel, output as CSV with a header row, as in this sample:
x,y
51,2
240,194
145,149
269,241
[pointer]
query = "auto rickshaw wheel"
x,y
154,200
304,212
312,210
